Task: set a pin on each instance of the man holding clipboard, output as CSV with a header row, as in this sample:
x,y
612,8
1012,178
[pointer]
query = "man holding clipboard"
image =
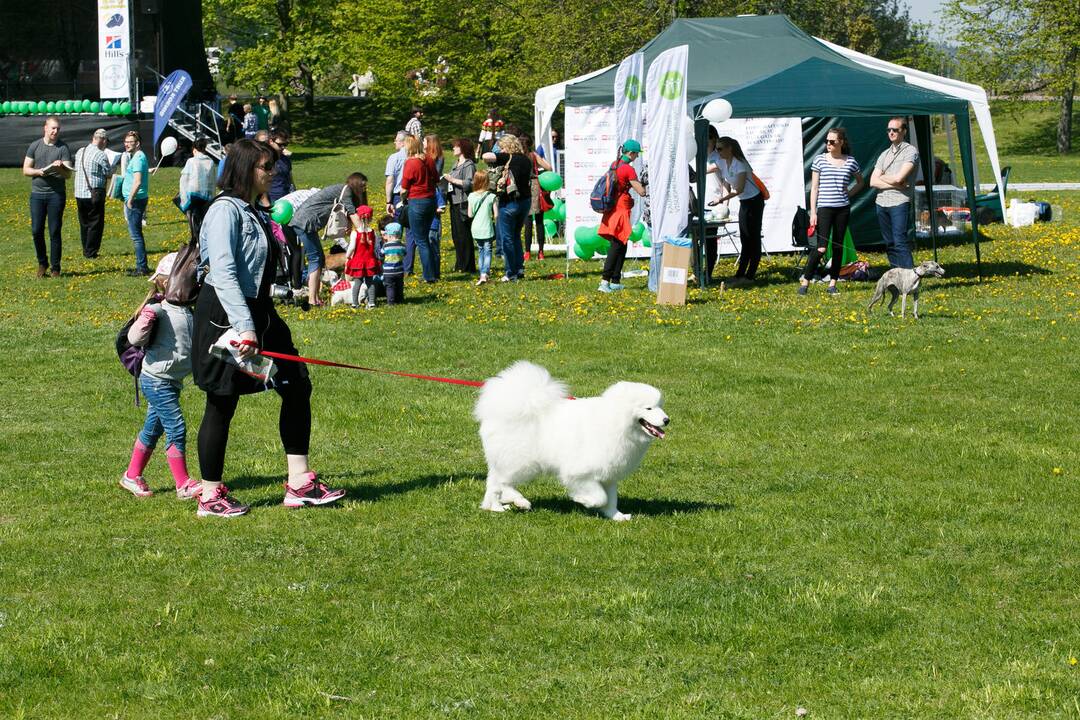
x,y
48,164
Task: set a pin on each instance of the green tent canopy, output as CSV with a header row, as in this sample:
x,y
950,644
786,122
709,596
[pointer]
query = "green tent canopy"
x,y
765,67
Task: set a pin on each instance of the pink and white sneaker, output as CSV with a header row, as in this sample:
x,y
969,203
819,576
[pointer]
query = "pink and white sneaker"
x,y
189,490
312,493
221,504
136,486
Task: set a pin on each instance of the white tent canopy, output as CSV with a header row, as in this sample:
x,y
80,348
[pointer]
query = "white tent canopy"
x,y
974,94
547,102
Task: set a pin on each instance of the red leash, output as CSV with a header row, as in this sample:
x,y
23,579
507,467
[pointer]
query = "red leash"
x,y
329,363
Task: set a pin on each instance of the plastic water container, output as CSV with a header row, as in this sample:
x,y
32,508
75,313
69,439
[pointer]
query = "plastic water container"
x,y
1022,214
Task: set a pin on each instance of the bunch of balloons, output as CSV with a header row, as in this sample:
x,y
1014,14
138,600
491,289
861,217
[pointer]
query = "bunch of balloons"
x,y
64,107
587,241
552,181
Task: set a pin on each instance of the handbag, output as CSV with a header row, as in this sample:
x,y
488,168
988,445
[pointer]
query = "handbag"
x,y
185,280
337,225
116,187
505,185
401,214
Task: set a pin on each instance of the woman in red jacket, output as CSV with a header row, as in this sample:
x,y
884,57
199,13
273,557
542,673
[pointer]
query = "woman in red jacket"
x,y
418,179
615,225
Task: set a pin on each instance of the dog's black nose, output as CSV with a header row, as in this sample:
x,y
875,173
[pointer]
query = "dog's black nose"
x,y
667,420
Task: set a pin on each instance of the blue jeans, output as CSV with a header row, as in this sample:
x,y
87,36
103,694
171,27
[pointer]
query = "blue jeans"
x,y
134,215
895,224
483,256
512,214
313,250
434,240
421,213
51,206
163,414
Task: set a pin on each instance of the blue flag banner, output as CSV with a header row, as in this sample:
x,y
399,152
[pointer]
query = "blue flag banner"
x,y
170,95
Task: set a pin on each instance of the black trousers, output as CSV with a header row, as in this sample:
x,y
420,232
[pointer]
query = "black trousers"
x,y
613,263
461,233
49,207
830,221
536,221
750,213
91,221
294,426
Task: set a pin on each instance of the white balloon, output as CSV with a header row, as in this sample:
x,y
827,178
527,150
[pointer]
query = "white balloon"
x,y
168,145
717,111
691,142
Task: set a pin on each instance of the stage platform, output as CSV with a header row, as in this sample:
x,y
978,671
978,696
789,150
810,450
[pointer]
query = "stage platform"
x,y
18,131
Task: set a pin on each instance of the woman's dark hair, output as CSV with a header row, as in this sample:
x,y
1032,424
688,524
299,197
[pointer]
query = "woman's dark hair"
x,y
357,183
841,135
714,136
238,177
467,150
199,144
526,142
732,143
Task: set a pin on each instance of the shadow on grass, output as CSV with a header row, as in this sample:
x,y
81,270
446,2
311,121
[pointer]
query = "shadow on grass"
x,y
636,506
352,483
1008,268
1039,136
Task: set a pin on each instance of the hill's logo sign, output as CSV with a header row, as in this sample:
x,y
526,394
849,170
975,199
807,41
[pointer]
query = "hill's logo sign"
x,y
632,89
671,85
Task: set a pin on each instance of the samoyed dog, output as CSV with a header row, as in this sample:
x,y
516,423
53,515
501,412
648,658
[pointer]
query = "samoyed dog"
x,y
529,426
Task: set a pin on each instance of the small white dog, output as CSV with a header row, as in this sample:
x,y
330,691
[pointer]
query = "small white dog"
x,y
528,426
341,292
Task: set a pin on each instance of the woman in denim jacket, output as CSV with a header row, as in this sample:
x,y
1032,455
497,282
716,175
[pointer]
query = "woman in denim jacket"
x,y
235,241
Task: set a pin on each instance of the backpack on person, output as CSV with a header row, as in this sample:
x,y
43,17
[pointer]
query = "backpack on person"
x,y
131,356
505,185
605,192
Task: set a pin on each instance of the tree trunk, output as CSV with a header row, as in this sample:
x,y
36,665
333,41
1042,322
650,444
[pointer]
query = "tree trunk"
x,y
309,88
1064,128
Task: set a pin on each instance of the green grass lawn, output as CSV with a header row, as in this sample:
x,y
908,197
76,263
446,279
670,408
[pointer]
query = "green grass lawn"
x,y
862,516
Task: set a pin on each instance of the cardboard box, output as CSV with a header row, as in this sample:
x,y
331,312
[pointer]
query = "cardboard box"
x,y
674,272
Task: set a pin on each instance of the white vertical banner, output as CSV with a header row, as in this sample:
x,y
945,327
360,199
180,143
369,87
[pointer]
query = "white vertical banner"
x,y
667,158
114,49
773,147
591,145
629,117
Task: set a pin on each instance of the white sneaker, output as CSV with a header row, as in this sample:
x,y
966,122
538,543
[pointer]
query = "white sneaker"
x,y
505,279
482,280
135,486
616,286
605,287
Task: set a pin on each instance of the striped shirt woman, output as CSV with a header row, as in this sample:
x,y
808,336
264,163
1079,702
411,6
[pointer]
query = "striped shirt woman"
x,y
830,204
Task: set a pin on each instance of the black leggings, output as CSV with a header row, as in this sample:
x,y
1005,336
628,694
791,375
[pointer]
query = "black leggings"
x,y
750,213
294,426
834,219
613,264
536,220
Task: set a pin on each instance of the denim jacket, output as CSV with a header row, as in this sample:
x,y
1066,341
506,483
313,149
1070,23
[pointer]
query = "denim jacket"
x,y
235,245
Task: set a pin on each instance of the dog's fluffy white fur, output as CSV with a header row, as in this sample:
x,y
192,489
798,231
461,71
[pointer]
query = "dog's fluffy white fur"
x,y
529,426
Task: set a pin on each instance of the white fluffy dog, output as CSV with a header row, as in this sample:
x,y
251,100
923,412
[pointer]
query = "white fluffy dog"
x,y
529,426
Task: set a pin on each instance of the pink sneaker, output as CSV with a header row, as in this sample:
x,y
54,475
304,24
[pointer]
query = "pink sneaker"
x,y
312,493
221,504
136,487
189,490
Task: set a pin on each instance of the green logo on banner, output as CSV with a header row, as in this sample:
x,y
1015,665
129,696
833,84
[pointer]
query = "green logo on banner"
x,y
671,85
632,89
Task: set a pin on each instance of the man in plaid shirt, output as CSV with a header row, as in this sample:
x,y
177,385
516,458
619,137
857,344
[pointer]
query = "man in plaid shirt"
x,y
92,170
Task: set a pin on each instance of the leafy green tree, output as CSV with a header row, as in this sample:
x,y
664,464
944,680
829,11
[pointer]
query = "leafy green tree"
x,y
1016,47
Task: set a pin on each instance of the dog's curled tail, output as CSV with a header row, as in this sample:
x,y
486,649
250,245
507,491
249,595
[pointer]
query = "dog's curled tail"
x,y
521,392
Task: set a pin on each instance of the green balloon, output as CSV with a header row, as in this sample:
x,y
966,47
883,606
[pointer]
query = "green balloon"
x,y
561,210
646,237
281,212
85,106
637,231
106,107
42,106
550,228
551,215
600,244
69,105
95,106
550,181
6,106
582,252
585,234
125,108
50,107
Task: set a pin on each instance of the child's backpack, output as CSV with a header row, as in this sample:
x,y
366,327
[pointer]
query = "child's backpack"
x,y
131,356
606,190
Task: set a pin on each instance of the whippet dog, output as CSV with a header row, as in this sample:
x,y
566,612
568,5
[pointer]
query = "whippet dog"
x,y
904,282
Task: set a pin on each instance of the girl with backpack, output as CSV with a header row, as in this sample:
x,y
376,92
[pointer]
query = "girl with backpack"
x,y
165,331
616,225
